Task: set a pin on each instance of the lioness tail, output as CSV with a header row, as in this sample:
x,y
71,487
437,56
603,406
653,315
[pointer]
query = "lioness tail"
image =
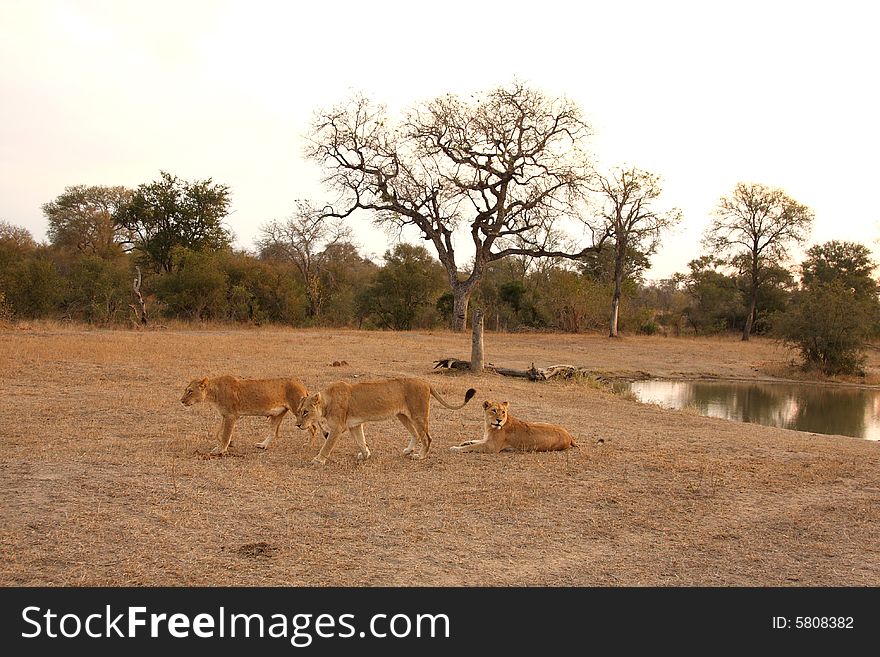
x,y
467,397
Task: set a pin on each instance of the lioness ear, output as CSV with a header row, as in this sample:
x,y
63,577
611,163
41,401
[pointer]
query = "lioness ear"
x,y
505,404
203,383
486,404
317,399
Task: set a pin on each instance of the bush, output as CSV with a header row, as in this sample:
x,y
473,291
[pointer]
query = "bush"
x,y
829,325
6,312
35,289
649,327
197,288
97,289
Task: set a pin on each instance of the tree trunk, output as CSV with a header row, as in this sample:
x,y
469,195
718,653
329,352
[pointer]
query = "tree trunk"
x,y
615,304
461,296
477,342
753,300
615,307
750,316
619,265
141,312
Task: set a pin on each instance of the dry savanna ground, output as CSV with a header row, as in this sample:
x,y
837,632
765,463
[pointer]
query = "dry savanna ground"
x,y
105,478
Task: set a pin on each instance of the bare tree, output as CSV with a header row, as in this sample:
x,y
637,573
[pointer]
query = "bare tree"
x,y
627,196
300,239
755,226
508,166
140,311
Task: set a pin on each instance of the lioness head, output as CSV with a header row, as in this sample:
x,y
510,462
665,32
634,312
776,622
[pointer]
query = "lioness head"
x,y
496,413
310,410
195,392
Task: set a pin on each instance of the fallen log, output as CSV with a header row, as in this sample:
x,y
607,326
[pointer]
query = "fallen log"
x,y
506,371
533,373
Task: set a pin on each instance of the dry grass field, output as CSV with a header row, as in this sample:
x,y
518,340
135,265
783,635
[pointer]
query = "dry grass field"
x,y
105,478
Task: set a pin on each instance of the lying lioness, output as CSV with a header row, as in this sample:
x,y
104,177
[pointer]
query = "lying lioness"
x,y
235,397
505,432
345,406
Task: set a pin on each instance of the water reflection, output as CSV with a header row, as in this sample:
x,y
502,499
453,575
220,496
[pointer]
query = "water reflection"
x,y
804,407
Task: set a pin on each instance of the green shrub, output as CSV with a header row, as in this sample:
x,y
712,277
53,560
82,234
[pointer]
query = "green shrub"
x,y
829,324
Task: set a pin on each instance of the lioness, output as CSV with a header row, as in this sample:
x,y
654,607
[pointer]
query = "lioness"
x,y
345,406
235,397
505,432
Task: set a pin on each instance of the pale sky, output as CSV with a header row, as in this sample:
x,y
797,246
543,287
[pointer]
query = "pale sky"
x,y
704,94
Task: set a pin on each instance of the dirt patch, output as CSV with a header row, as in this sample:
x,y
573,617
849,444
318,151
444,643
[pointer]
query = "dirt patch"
x,y
105,479
260,549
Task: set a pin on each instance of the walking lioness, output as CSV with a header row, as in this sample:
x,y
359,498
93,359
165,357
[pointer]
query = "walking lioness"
x,y
505,432
235,397
345,406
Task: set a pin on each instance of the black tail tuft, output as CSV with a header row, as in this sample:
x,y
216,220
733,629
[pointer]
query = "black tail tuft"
x,y
469,395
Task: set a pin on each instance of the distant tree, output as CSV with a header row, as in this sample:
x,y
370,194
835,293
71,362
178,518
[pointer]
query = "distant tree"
x,y
756,225
97,288
170,213
197,289
666,301
29,281
777,286
344,277
405,287
82,219
828,325
263,290
300,239
571,302
715,303
509,165
836,309
16,245
848,263
16,238
628,197
599,267
35,286
7,313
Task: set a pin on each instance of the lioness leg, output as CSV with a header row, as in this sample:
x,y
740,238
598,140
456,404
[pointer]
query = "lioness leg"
x,y
421,426
224,435
413,432
361,441
274,426
327,447
486,446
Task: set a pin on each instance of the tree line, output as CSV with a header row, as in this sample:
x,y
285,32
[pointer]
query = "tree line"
x,y
555,242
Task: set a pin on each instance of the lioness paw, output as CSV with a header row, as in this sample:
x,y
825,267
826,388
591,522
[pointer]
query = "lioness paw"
x,y
318,460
